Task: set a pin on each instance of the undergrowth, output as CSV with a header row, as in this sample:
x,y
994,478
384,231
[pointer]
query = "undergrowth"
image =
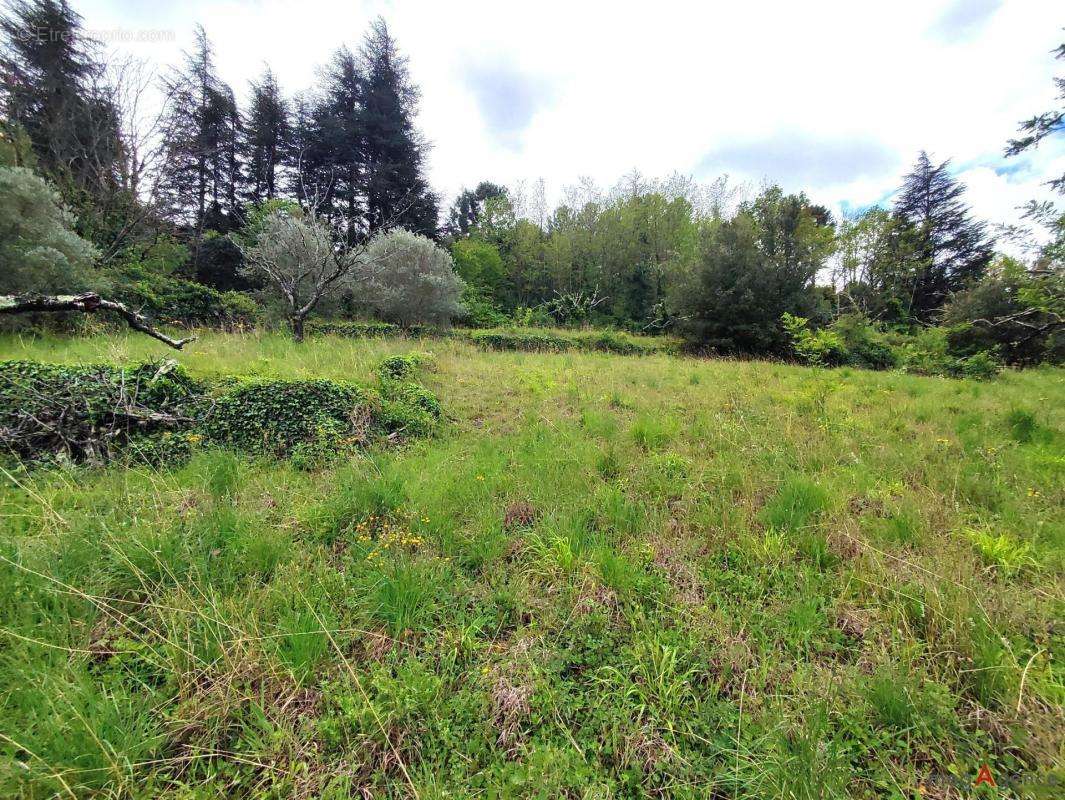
x,y
605,577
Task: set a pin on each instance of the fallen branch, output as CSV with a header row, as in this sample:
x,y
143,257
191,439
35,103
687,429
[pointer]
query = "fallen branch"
x,y
86,303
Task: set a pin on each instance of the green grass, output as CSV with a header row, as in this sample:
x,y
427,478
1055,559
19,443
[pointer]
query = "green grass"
x,y
737,580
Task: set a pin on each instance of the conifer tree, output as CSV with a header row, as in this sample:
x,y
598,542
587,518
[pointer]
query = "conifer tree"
x,y
54,93
393,154
202,175
949,249
265,139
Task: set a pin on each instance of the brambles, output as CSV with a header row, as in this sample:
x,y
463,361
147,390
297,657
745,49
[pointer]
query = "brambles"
x,y
156,412
92,413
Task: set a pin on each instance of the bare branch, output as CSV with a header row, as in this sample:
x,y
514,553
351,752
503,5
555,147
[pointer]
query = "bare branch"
x,y
86,303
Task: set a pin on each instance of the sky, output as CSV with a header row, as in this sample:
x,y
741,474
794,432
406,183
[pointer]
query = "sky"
x,y
833,98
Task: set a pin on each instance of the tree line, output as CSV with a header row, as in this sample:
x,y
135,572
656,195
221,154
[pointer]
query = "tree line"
x,y
165,207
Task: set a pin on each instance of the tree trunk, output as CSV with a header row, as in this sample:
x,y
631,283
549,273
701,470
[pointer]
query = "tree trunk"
x,y
296,321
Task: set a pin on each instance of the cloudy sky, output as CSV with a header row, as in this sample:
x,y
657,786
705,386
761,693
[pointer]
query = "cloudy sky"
x,y
836,98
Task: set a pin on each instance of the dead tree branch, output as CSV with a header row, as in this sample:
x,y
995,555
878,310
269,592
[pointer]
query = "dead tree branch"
x,y
86,303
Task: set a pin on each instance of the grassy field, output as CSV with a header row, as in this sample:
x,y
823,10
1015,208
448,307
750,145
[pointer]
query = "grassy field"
x,y
608,576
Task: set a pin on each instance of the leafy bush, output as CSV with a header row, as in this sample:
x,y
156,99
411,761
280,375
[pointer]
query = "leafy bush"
x,y
1008,313
186,302
850,340
274,416
928,353
92,413
823,347
480,312
398,367
512,340
407,279
39,251
353,329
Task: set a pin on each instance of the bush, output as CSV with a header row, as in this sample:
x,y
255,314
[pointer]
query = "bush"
x,y
353,329
39,251
823,347
398,367
93,413
480,312
928,353
1008,292
407,279
507,340
186,302
156,411
275,416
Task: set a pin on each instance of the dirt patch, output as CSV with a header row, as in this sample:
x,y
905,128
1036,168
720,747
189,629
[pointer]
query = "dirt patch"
x,y
519,515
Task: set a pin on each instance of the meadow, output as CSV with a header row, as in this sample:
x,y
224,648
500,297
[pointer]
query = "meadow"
x,y
606,576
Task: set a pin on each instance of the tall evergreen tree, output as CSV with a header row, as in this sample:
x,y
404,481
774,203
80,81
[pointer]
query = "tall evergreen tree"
x,y
393,153
265,139
949,249
54,91
339,127
202,174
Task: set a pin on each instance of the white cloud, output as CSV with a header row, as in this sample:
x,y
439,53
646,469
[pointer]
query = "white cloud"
x,y
563,89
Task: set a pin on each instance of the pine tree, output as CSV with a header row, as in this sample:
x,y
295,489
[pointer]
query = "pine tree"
x,y
202,176
949,249
393,154
265,138
339,127
53,91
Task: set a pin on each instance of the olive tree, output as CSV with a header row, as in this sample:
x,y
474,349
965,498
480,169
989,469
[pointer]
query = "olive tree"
x,y
39,250
300,257
405,278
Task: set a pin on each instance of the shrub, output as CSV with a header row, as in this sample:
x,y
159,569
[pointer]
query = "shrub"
x,y
274,416
185,302
353,329
398,367
92,413
1020,304
927,353
818,348
511,340
39,251
480,312
850,340
407,279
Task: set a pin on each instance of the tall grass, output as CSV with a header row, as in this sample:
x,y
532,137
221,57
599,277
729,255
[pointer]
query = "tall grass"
x,y
731,579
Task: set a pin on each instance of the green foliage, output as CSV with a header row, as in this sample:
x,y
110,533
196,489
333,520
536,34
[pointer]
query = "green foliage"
x,y
480,265
1009,313
479,311
39,250
530,341
927,352
849,340
274,416
402,366
407,279
186,302
93,413
353,329
751,270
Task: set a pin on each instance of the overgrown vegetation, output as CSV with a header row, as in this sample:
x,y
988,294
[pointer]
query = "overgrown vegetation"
x,y
155,411
645,576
